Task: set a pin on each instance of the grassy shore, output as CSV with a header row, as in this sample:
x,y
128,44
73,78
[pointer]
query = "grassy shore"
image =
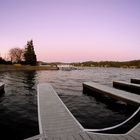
x,y
26,67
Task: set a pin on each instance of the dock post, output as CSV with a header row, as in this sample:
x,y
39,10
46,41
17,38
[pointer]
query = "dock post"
x,y
1,88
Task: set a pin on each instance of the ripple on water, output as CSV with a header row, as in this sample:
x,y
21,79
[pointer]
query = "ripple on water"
x,y
18,106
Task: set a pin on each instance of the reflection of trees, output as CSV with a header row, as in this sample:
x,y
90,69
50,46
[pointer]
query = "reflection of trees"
x,y
20,82
30,80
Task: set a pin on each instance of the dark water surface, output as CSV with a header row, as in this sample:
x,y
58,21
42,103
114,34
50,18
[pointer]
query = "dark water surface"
x,y
18,106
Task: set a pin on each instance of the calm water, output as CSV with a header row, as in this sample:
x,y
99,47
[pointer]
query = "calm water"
x,y
18,106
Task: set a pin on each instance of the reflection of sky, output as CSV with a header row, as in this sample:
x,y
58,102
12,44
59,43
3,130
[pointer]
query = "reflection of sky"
x,y
72,30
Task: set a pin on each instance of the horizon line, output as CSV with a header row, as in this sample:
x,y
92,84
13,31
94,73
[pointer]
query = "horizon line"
x,y
90,61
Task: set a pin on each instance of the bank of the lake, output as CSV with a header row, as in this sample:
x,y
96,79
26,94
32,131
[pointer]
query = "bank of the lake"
x,y
26,67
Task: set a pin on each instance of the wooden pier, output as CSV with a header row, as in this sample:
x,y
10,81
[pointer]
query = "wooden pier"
x,y
54,118
136,81
57,123
131,87
127,97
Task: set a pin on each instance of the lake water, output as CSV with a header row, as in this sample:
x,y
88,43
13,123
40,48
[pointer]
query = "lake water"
x,y
18,106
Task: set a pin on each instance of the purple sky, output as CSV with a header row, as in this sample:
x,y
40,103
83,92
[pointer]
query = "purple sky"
x,y
72,30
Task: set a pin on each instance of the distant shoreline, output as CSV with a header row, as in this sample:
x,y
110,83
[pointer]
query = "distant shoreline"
x,y
26,67
43,67
116,64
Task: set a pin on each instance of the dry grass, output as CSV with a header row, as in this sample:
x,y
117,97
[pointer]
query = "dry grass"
x,y
25,67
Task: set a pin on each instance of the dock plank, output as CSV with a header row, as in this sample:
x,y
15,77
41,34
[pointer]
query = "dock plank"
x,y
92,136
56,119
70,137
85,136
131,87
114,93
135,135
136,81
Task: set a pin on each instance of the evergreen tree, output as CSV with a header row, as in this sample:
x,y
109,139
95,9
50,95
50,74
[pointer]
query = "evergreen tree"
x,y
29,54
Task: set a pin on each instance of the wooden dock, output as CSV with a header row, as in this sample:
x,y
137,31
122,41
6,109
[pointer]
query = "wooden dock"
x,y
57,123
131,87
112,92
55,118
1,87
136,81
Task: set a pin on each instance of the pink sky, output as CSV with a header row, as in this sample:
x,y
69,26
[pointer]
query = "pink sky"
x,y
72,30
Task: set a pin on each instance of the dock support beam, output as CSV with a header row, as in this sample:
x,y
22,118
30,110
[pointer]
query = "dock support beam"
x,y
1,88
131,87
136,81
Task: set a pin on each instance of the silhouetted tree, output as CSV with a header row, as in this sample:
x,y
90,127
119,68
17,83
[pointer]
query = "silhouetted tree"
x,y
2,61
29,54
16,55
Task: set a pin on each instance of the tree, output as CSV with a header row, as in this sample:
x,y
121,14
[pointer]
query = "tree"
x,y
29,54
16,55
2,61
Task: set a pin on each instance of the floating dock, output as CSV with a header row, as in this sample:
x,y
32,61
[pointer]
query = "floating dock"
x,y
54,118
57,123
1,87
136,81
135,88
112,92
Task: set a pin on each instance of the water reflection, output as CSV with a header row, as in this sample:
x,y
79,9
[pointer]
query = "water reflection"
x,y
30,81
18,105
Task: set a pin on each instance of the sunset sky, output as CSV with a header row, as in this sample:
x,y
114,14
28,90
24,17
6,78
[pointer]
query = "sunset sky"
x,y
72,30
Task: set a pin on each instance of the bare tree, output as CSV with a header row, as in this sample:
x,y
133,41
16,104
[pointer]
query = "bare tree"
x,y
16,54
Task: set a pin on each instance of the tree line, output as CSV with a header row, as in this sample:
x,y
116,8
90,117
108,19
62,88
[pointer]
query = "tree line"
x,y
24,56
125,64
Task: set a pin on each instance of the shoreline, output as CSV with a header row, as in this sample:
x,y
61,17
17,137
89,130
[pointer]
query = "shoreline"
x,y
53,67
26,67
